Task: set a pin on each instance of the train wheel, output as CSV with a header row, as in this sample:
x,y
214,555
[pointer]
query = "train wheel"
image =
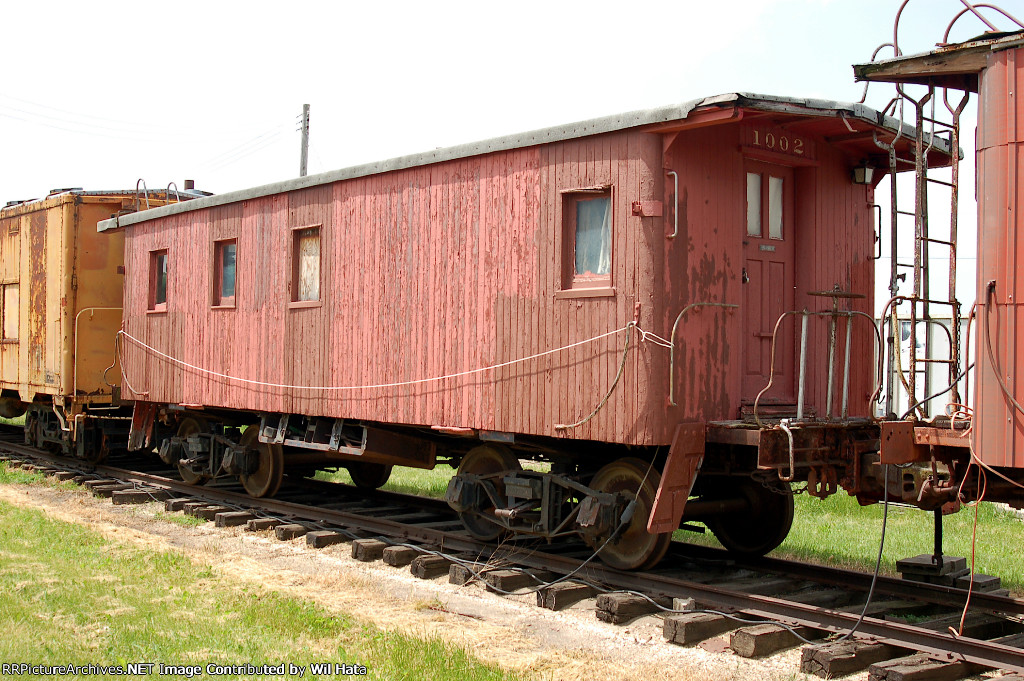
x,y
369,475
34,427
266,479
486,460
762,528
634,548
95,452
191,426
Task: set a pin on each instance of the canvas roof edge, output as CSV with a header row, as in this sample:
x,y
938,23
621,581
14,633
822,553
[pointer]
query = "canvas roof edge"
x,y
647,118
955,65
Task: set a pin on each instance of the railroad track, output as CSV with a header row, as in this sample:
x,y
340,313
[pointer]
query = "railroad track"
x,y
765,605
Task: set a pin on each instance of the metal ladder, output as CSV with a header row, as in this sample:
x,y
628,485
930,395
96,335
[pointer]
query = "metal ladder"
x,y
920,299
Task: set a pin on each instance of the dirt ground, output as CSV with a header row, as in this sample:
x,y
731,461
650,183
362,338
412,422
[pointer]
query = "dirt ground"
x,y
510,632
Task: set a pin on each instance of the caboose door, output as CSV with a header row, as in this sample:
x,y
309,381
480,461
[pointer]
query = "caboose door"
x,y
768,292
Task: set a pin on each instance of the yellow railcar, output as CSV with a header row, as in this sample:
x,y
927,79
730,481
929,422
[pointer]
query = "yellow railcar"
x,y
61,287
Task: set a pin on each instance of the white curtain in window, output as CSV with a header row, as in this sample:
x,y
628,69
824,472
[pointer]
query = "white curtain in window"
x,y
594,236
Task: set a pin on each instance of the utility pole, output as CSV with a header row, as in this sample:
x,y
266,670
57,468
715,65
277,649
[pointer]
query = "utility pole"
x,y
304,154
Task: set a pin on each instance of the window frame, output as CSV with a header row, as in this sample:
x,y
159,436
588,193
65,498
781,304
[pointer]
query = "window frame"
x,y
294,302
770,205
218,300
4,285
574,284
152,305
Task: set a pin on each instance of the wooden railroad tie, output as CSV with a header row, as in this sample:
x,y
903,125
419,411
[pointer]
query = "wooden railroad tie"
x,y
841,658
64,476
920,667
764,639
564,594
368,550
461,574
139,496
430,566
620,608
318,539
210,512
509,580
175,504
107,491
233,518
289,531
189,507
399,556
262,524
923,667
690,628
100,482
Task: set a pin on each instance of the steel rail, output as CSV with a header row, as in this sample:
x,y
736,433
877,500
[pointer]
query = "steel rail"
x,y
938,644
890,586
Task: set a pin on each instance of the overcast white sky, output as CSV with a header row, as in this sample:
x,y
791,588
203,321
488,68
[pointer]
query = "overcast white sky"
x,y
98,95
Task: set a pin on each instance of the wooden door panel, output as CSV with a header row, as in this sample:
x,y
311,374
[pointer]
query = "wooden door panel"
x,y
768,260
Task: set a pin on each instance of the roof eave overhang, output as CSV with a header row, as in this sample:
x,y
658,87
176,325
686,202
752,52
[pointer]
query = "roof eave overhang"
x,y
951,66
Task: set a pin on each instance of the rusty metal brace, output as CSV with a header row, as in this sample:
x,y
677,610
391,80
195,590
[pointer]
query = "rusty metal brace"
x,y
784,425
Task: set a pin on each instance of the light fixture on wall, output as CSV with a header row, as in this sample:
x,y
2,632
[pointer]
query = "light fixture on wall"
x,y
863,173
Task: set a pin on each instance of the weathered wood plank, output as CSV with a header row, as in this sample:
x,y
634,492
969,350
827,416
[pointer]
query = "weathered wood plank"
x,y
430,566
368,550
318,539
831,660
691,628
764,639
563,595
399,556
620,608
920,667
289,531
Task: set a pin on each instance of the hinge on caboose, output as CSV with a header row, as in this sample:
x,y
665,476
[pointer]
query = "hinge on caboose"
x,y
74,281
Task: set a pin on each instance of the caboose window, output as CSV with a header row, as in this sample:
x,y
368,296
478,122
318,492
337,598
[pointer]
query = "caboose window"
x,y
306,265
224,272
762,205
753,204
593,236
774,207
11,307
587,238
158,280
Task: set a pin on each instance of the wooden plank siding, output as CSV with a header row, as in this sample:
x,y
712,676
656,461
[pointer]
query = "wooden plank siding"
x,y
425,272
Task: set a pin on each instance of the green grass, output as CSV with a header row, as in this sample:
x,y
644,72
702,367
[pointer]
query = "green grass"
x,y
18,476
429,483
68,596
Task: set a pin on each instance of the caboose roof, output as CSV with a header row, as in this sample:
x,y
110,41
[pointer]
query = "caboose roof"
x,y
956,65
837,115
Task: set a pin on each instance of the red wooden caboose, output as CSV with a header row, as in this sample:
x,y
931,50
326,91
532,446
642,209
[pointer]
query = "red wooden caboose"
x,y
605,296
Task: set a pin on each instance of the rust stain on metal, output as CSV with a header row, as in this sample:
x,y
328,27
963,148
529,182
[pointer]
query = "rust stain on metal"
x,y
684,459
898,445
